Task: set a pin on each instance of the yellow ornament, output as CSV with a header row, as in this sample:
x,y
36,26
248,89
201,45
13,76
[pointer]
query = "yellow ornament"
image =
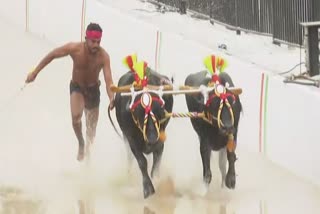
x,y
215,64
130,60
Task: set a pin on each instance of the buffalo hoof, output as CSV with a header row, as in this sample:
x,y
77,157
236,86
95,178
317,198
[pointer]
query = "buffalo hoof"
x,y
148,190
207,178
231,180
202,190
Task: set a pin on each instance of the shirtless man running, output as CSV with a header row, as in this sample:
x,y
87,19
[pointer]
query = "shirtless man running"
x,y
88,60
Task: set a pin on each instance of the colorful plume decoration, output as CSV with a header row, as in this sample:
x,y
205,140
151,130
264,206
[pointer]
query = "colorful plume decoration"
x,y
215,65
139,69
129,61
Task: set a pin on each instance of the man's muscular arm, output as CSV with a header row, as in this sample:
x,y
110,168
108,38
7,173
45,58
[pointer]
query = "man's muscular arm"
x,y
61,51
108,78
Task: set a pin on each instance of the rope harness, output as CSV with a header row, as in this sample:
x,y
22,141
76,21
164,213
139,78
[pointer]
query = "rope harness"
x,y
146,101
218,91
221,92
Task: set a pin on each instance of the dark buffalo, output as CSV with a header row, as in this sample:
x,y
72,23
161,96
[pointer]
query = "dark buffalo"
x,y
143,126
224,107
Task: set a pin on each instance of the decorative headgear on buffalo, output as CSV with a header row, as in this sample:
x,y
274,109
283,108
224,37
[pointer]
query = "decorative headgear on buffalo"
x,y
215,65
140,76
129,61
138,69
221,92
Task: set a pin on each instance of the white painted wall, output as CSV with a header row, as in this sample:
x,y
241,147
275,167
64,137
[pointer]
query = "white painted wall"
x,y
293,134
14,11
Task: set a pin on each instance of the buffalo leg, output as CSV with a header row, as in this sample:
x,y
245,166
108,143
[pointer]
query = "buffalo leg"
x,y
223,164
157,155
205,152
231,175
148,188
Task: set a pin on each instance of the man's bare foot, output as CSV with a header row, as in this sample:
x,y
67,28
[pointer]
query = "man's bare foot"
x,y
80,153
88,149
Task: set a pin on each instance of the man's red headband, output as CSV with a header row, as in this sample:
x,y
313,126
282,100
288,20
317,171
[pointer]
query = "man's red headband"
x,y
93,34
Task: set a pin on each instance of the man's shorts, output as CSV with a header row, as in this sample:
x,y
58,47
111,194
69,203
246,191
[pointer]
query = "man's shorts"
x,y
91,94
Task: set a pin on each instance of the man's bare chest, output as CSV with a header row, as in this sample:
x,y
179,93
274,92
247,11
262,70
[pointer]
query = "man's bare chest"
x,y
87,64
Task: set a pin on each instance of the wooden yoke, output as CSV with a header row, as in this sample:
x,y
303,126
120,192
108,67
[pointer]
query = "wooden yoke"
x,y
168,89
235,91
127,88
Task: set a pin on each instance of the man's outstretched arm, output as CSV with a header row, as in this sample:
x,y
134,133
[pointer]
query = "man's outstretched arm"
x,y
55,53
